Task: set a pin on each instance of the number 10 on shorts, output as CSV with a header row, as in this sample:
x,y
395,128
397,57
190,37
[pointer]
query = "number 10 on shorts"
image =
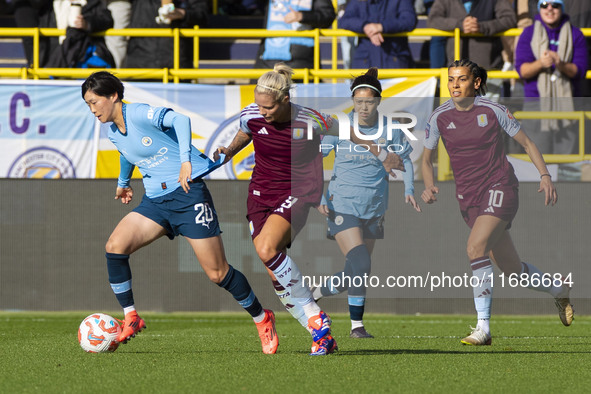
x,y
496,198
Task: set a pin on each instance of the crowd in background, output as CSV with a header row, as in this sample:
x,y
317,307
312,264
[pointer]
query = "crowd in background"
x,y
550,55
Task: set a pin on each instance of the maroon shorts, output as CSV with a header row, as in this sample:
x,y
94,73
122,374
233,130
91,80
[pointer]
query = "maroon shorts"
x,y
500,201
293,209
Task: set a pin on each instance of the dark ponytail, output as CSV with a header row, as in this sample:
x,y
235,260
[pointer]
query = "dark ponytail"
x,y
369,80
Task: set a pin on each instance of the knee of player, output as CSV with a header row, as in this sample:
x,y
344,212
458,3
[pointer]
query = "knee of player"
x,y
266,250
475,250
115,246
217,276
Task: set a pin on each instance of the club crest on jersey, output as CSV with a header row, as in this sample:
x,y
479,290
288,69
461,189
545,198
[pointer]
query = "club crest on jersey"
x,y
298,133
381,141
482,120
146,141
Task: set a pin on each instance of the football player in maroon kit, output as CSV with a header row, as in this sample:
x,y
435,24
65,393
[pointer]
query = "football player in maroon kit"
x,y
287,180
472,128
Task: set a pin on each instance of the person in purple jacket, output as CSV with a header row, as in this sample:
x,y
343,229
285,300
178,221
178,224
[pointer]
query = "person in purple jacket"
x,y
472,129
551,58
375,18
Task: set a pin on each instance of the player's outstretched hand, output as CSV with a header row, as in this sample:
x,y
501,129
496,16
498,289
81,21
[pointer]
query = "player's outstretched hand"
x,y
224,150
185,176
429,194
411,200
393,162
550,193
125,194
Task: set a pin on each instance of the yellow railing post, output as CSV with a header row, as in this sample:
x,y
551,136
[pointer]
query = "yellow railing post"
x,y
333,41
316,53
457,44
176,61
35,53
196,48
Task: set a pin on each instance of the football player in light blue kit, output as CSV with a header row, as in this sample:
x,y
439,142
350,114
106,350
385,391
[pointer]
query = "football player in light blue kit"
x,y
177,201
357,196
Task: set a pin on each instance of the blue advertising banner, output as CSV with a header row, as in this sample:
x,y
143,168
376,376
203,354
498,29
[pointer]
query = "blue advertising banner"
x,y
46,131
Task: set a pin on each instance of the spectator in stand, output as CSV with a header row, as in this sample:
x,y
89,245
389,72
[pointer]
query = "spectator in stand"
x,y
488,17
26,14
78,48
157,52
296,52
551,58
375,18
348,44
579,12
437,56
580,16
121,12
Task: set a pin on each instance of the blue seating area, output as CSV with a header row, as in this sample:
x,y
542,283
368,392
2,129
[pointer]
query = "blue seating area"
x,y
12,53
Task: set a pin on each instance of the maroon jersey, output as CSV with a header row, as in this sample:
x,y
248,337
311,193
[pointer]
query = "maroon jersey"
x,y
287,163
474,142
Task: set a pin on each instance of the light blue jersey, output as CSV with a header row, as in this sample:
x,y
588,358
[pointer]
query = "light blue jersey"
x,y
157,141
359,185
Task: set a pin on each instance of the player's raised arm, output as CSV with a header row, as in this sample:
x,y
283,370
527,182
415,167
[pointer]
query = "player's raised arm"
x,y
431,190
240,141
546,185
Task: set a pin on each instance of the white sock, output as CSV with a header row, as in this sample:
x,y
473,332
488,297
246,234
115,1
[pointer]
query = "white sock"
x,y
482,270
317,293
288,275
356,324
484,324
311,309
259,318
537,277
290,305
128,309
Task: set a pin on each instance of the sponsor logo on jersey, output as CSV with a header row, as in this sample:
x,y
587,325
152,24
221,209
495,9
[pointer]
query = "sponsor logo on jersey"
x,y
146,141
427,130
42,163
251,227
509,114
482,120
298,133
263,131
460,196
451,125
256,192
489,210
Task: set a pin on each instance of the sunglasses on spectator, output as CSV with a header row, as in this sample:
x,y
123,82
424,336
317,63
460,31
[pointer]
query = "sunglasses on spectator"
x,y
553,5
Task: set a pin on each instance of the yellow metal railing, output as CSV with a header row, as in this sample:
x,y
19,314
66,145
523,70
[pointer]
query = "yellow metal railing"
x,y
175,73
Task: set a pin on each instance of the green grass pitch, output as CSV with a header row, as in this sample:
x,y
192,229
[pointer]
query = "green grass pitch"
x,y
220,352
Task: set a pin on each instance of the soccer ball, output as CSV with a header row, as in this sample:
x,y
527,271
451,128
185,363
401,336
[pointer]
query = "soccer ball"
x,y
98,333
